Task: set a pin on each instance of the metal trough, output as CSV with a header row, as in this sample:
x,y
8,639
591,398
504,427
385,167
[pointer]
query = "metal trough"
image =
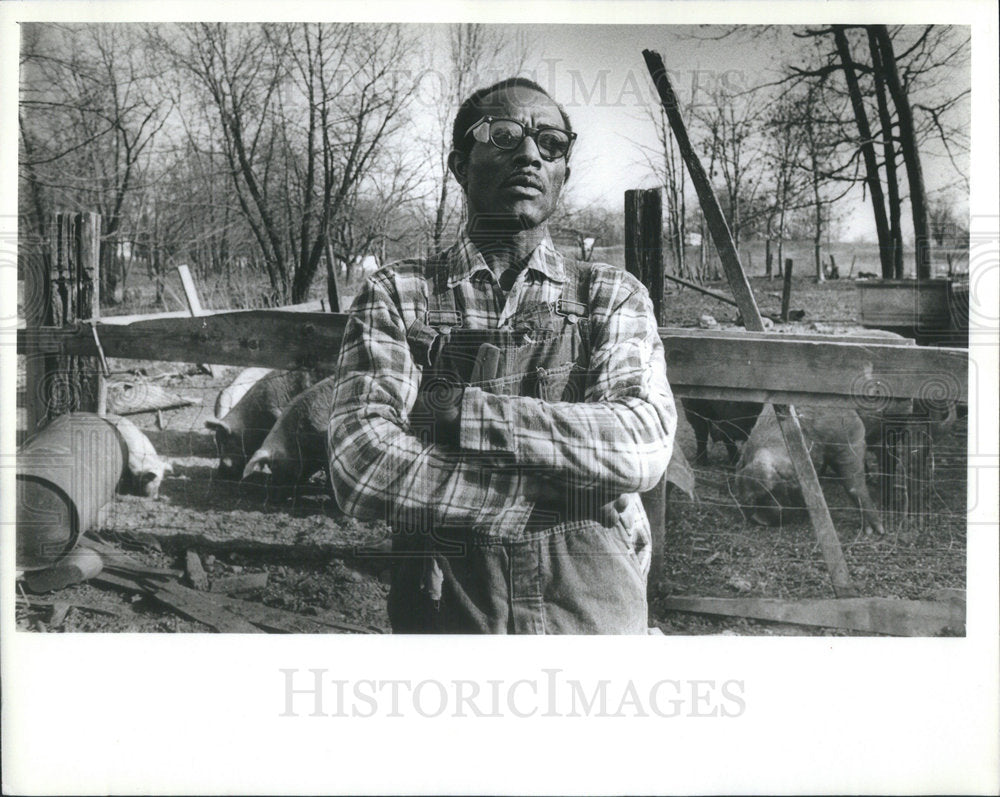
x,y
65,474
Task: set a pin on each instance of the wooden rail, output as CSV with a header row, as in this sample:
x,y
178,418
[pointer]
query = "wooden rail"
x,y
732,364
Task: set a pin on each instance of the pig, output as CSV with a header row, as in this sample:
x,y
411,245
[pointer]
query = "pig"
x,y
728,421
765,481
230,396
144,468
241,431
902,436
295,448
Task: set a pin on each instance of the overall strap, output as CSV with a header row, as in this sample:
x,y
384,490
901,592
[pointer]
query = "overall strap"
x,y
574,301
427,334
442,312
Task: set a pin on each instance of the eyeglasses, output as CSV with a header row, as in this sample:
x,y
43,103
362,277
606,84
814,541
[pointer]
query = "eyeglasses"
x,y
507,134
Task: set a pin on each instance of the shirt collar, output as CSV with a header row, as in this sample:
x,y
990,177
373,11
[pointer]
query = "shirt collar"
x,y
465,259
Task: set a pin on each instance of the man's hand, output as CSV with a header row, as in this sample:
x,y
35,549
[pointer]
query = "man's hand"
x,y
545,490
444,399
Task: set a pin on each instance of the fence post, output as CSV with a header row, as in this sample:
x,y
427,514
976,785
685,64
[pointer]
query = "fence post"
x,y
62,289
786,290
38,312
644,260
644,242
94,387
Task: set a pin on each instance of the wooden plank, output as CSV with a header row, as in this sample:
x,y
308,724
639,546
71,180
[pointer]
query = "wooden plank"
x,y
190,292
246,582
871,615
813,367
196,606
860,370
73,604
695,287
868,336
196,575
268,338
709,204
304,307
118,560
798,452
225,614
266,617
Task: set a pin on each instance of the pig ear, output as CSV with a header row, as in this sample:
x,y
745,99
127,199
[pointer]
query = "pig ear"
x,y
168,467
218,426
147,477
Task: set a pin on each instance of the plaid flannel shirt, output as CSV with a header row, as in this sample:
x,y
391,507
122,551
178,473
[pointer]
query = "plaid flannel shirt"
x,y
619,438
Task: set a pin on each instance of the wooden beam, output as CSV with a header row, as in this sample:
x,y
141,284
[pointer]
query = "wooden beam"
x,y
871,615
863,371
305,307
267,338
190,292
707,291
709,204
852,371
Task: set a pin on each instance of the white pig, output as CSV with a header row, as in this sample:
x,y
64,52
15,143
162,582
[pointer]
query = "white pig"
x,y
145,468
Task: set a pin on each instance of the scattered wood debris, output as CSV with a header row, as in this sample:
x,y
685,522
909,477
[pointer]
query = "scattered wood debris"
x,y
35,602
196,575
214,608
247,582
134,395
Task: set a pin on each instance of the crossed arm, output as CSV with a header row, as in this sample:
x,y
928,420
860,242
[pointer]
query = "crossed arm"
x,y
619,437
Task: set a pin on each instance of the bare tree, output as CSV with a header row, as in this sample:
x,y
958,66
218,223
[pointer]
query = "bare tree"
x,y
866,145
889,158
88,118
477,55
731,122
303,113
929,97
784,152
665,162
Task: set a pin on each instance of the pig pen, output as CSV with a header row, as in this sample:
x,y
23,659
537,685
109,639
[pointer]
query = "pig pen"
x,y
712,550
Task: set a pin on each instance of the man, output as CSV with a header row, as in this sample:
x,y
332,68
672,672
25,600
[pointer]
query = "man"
x,y
502,406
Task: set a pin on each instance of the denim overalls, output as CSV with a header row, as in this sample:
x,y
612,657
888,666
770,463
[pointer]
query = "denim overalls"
x,y
573,568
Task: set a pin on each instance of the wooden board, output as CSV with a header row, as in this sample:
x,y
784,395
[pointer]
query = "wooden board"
x,y
872,615
784,365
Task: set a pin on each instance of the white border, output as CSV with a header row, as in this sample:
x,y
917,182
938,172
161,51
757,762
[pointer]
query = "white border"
x,y
163,714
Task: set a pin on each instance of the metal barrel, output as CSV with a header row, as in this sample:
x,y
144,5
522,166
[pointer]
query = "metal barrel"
x,y
65,474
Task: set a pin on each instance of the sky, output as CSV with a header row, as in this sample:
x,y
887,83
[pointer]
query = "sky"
x,y
599,75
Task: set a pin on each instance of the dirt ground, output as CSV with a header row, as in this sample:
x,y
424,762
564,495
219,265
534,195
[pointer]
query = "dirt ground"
x,y
712,550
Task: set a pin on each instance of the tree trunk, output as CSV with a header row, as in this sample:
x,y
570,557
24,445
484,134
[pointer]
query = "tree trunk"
x,y
911,155
818,238
439,215
867,150
889,149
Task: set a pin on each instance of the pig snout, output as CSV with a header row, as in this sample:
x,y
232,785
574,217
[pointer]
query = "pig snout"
x,y
260,462
763,488
151,477
229,445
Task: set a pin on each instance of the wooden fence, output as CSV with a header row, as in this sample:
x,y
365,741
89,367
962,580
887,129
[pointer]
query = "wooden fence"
x,y
717,364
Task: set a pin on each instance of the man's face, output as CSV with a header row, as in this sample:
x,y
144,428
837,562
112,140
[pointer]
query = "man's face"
x,y
516,186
